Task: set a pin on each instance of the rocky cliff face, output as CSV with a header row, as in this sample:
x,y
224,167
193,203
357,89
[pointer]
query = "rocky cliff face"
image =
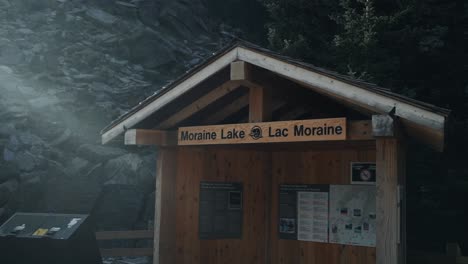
x,y
67,68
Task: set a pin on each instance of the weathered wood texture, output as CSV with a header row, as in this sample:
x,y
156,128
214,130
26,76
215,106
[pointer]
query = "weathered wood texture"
x,y
228,110
259,104
150,137
261,170
383,126
389,156
307,130
199,104
212,164
315,167
419,119
165,207
240,70
424,122
360,130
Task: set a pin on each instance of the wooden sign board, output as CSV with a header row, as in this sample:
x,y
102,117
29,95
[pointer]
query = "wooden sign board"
x,y
268,132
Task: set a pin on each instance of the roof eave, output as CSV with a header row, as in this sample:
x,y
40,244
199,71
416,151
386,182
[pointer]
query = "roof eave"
x,y
171,92
376,100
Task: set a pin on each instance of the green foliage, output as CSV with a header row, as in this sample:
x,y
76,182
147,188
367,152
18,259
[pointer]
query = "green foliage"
x,y
415,47
246,18
357,42
405,45
359,24
302,28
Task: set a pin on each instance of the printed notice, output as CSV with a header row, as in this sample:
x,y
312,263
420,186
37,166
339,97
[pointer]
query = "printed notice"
x,y
312,216
220,212
303,212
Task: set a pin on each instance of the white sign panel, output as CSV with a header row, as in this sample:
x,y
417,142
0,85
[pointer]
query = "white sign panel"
x,y
312,209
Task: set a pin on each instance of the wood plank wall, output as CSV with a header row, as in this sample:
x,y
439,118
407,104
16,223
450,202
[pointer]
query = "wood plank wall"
x,y
315,167
261,172
220,165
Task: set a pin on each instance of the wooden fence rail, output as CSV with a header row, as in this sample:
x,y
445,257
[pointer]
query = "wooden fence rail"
x,y
125,235
453,255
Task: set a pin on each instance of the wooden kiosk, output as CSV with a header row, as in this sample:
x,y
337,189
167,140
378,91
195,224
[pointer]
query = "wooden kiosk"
x,y
252,121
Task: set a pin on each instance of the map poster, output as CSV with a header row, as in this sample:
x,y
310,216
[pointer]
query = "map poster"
x,y
352,218
303,212
220,210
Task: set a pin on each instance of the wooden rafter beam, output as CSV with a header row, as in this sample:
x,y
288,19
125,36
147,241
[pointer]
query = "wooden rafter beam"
x,y
259,96
295,113
199,104
228,110
360,130
259,104
289,91
150,137
276,105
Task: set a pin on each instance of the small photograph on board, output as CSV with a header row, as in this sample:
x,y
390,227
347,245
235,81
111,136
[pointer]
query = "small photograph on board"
x,y
344,211
365,226
363,173
357,213
334,229
287,225
349,226
358,229
372,216
235,200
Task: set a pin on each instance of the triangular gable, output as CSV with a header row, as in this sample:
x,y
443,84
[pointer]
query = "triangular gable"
x,y
422,120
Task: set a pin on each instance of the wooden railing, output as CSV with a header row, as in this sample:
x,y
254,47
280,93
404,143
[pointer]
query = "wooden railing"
x,y
125,235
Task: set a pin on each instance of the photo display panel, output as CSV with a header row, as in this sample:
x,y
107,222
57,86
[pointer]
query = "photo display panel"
x,y
220,211
353,215
303,212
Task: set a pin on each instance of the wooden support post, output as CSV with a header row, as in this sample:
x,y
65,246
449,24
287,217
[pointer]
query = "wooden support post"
x,y
259,97
165,207
269,190
390,246
383,126
259,105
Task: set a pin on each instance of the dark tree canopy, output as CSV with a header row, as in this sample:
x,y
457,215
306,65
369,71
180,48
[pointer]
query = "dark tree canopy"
x,y
415,47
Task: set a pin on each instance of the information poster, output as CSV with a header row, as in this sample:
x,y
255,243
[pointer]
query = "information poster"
x,y
220,212
313,215
352,215
303,212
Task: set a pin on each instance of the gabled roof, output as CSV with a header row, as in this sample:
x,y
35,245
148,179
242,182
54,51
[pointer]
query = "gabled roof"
x,y
416,115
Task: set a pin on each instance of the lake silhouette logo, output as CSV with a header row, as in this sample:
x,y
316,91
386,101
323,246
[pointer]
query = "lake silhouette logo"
x,y
256,132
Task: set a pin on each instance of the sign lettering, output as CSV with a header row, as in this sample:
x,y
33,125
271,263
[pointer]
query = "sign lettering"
x,y
268,132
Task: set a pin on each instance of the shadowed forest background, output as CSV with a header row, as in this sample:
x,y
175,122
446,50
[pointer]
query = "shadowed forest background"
x,y
67,68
